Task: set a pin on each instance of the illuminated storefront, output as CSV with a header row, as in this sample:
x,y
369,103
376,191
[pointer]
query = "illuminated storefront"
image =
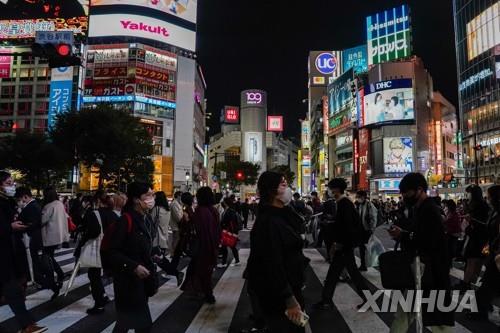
x,y
477,28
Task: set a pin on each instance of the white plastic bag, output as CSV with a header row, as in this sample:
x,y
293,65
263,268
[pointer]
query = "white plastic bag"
x,y
90,255
374,248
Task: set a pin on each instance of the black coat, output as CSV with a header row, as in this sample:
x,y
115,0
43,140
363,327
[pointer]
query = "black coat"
x,y
31,215
13,259
276,264
126,251
346,221
426,236
477,231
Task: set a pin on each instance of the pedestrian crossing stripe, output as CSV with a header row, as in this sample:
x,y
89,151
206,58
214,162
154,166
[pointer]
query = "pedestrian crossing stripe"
x,y
67,314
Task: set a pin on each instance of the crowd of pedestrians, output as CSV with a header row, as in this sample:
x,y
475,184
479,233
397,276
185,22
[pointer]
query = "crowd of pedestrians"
x,y
132,237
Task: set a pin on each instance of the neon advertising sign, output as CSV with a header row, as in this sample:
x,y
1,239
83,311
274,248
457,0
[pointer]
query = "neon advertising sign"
x,y
254,97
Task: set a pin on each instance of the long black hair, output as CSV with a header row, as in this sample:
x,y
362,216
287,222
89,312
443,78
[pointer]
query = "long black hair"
x,y
161,200
267,186
134,191
50,195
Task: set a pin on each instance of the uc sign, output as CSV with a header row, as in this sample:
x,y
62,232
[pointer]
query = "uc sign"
x,y
326,63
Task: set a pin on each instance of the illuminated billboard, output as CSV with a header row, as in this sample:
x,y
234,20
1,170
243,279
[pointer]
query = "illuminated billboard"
x,y
323,65
184,9
389,35
231,115
356,58
253,147
140,26
483,31
339,92
398,155
253,98
21,19
388,101
275,123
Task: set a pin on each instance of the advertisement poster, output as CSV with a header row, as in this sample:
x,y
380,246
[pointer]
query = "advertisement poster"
x,y
275,123
398,155
142,26
364,143
356,58
61,86
388,101
5,66
184,9
483,31
305,134
21,19
389,35
339,92
253,147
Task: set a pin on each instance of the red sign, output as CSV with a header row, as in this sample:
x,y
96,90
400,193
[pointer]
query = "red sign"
x,y
231,115
325,114
275,123
364,143
5,62
362,107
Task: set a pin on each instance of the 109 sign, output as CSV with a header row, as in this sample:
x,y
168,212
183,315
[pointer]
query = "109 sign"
x,y
254,98
326,63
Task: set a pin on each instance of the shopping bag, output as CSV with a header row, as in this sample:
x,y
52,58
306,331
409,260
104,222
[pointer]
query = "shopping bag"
x,y
374,249
90,255
228,239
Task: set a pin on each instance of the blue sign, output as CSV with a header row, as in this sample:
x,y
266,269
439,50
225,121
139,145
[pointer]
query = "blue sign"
x,y
54,37
129,98
388,85
326,63
357,58
59,99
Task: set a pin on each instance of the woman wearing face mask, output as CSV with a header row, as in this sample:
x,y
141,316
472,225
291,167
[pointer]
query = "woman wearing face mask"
x,y
477,235
229,222
276,264
129,254
453,227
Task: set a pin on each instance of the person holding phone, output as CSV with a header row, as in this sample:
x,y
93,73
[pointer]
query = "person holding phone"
x,y
276,264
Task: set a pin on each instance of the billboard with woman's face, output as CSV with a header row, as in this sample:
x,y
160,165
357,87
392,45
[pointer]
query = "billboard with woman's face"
x,y
389,101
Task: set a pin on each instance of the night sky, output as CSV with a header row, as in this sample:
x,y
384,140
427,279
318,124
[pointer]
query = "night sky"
x,y
262,44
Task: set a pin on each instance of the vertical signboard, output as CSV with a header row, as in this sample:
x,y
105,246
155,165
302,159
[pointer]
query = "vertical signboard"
x,y
364,142
5,66
305,135
253,147
61,84
389,35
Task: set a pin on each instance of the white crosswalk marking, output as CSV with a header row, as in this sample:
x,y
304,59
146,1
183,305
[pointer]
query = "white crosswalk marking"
x,y
346,299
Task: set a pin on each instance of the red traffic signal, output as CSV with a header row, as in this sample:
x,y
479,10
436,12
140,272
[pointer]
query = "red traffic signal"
x,y
63,50
240,176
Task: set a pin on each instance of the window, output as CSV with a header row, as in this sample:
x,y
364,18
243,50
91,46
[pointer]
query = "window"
x,y
27,60
40,125
6,108
25,72
41,107
8,92
42,90
25,91
24,108
22,125
42,72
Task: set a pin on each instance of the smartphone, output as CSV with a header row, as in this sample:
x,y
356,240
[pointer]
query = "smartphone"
x,y
304,319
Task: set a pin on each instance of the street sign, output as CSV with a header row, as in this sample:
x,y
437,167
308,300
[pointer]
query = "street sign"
x,y
54,37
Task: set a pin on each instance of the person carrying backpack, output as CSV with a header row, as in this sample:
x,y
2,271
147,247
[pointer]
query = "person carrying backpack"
x,y
347,235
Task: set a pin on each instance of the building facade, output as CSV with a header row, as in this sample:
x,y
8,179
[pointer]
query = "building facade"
x,y
477,36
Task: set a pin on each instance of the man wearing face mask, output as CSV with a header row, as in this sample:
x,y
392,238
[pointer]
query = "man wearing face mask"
x,y
31,216
424,237
176,214
346,233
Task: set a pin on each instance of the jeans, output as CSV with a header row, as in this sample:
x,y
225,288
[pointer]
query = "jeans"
x,y
14,297
343,259
49,250
225,252
403,320
96,286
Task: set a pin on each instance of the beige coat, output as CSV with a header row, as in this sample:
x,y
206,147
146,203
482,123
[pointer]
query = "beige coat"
x,y
54,224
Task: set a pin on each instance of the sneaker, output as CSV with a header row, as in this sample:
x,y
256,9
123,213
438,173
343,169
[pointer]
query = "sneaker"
x,y
236,264
221,265
180,278
34,328
210,299
323,305
95,310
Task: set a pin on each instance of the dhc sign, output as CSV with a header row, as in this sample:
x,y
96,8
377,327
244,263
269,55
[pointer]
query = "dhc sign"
x,y
326,63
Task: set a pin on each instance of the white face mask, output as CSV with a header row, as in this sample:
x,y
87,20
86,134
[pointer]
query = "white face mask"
x,y
150,203
9,191
286,196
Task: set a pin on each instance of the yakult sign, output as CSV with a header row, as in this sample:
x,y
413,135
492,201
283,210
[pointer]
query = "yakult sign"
x,y
142,27
253,98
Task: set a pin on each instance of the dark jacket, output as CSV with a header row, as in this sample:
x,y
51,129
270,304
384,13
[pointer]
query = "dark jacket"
x,y
426,236
229,221
276,264
31,215
477,231
126,251
91,228
329,209
346,222
13,259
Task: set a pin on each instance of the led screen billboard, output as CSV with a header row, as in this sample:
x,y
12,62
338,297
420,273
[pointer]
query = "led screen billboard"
x,y
140,26
339,92
356,58
21,19
389,35
184,9
398,155
483,31
388,101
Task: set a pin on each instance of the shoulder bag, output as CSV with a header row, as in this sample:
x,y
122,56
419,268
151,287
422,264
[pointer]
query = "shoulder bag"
x,y
90,255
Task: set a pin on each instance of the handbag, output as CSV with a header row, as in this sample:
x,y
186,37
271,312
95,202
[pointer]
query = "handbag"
x,y
395,270
228,239
90,255
71,225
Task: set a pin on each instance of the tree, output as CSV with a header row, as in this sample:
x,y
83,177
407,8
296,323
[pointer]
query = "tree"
x,y
237,172
39,161
285,169
111,139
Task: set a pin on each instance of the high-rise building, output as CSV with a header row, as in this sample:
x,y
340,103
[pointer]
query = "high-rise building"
x,y
477,36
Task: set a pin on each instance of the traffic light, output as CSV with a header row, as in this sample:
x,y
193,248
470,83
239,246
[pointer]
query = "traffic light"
x,y
59,55
240,176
